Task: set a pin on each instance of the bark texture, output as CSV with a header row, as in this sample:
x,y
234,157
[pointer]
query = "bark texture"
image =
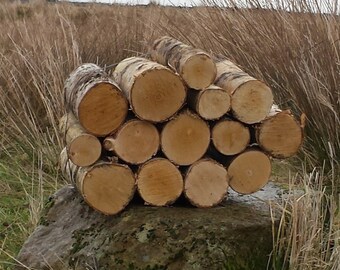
x,y
107,187
211,103
251,99
83,149
195,66
135,142
95,100
155,92
280,134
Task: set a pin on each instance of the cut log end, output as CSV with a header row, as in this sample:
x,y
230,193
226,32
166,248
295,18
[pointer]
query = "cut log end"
x,y
108,188
213,103
251,102
135,142
206,183
157,95
280,135
103,109
185,139
199,71
230,137
159,182
84,150
249,171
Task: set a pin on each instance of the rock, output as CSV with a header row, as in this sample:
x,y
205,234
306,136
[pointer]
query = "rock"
x,y
235,235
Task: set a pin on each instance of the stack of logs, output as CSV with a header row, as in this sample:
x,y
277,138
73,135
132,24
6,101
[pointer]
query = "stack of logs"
x,y
180,122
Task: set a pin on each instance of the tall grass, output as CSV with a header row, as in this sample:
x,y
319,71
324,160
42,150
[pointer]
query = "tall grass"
x,y
296,53
308,235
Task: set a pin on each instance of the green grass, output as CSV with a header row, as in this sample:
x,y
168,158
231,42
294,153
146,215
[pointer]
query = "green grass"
x,y
22,196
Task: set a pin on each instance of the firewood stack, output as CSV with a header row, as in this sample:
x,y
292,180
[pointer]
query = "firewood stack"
x,y
180,122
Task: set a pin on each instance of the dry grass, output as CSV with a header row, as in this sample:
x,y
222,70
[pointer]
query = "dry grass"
x,y
308,236
298,54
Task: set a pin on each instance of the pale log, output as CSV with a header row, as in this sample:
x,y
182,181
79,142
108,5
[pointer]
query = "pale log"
x,y
154,91
230,137
251,99
135,142
159,182
106,187
211,103
280,134
206,183
95,100
83,149
195,66
185,139
249,171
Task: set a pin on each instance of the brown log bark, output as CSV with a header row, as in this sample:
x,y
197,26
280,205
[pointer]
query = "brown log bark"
x,y
95,100
206,183
195,66
230,137
106,187
83,149
159,182
135,142
251,99
249,171
154,91
211,103
280,134
185,139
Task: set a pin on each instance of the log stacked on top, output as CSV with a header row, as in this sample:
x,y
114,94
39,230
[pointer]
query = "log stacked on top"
x,y
197,125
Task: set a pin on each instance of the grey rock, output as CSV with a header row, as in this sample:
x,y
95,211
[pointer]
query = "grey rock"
x,y
235,235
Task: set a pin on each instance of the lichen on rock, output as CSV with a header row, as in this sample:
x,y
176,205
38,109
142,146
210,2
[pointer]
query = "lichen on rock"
x,y
235,235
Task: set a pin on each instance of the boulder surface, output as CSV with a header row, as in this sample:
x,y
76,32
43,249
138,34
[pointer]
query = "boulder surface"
x,y
235,235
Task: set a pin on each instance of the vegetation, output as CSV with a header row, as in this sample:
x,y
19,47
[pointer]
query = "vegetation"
x,y
297,53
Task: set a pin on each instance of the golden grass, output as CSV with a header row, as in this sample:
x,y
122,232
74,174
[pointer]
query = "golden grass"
x,y
296,53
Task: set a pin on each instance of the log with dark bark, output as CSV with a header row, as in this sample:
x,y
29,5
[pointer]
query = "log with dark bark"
x,y
249,171
105,186
185,139
154,91
135,142
83,149
95,100
230,137
206,183
211,103
195,66
251,99
280,134
159,182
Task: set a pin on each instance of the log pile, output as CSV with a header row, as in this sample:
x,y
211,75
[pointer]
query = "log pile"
x,y
181,122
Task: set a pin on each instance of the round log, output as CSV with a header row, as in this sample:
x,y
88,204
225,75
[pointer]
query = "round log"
x,y
251,99
280,135
206,183
195,66
249,171
106,187
185,139
230,137
135,142
159,182
211,103
83,149
95,100
154,91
